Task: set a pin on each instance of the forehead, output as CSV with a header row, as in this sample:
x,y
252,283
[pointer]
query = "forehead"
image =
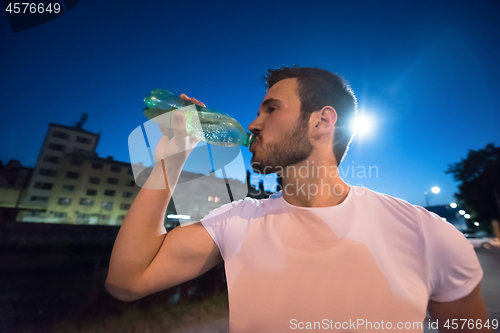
x,y
285,90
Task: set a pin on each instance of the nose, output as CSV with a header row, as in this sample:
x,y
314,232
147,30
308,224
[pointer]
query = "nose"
x,y
255,126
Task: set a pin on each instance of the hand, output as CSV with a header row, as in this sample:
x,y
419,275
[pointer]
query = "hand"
x,y
175,140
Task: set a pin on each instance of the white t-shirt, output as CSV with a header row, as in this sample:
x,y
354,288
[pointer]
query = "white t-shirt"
x,y
372,260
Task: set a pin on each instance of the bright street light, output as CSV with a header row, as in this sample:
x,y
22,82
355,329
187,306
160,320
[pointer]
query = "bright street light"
x,y
363,124
453,205
467,216
476,224
175,216
461,212
434,190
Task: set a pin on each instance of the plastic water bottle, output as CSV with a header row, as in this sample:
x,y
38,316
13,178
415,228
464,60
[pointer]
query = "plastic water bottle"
x,y
216,127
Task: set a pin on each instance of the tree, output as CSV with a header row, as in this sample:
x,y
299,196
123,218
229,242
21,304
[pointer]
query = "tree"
x,y
479,191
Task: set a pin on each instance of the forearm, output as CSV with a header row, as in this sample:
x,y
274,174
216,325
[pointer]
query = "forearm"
x,y
141,233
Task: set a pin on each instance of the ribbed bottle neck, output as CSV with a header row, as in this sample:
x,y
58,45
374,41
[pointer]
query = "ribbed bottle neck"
x,y
249,140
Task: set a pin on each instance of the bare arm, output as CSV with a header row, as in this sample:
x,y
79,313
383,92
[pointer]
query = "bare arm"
x,y
470,307
145,259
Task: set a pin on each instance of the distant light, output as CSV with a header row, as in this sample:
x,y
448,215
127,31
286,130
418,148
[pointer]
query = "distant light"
x,y
435,190
461,212
453,205
363,124
175,216
443,218
467,216
476,224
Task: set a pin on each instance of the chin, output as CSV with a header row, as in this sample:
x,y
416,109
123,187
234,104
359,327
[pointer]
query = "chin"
x,y
260,167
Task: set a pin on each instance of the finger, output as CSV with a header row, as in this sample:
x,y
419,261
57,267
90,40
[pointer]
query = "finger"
x,y
195,101
192,100
166,131
179,124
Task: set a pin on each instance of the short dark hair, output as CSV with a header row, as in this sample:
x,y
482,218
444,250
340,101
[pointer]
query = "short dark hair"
x,y
317,89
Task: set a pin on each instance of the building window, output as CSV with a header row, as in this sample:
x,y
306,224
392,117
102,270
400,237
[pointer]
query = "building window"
x,y
97,165
129,182
76,162
103,218
72,175
80,151
68,188
120,218
56,147
51,159
83,140
83,218
113,181
130,172
43,186
86,202
108,205
33,213
115,168
91,192
47,172
35,198
111,193
60,215
94,180
127,194
124,206
60,135
64,201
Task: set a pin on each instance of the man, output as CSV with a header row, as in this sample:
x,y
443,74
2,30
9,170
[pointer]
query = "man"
x,y
319,255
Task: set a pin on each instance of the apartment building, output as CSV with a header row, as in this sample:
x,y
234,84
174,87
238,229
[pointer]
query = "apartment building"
x,y
71,184
59,140
14,178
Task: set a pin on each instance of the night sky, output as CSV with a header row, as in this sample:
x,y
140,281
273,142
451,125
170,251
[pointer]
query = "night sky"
x,y
426,72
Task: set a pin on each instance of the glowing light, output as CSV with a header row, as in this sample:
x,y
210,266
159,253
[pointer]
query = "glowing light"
x,y
453,205
435,190
461,212
467,216
476,224
174,216
363,124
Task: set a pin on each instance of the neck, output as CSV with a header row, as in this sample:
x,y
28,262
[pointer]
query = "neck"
x,y
313,183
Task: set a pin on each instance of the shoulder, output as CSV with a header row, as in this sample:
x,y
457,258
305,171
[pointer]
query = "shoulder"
x,y
385,203
245,208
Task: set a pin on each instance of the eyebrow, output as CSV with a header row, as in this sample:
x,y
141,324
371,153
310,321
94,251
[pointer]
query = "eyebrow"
x,y
269,101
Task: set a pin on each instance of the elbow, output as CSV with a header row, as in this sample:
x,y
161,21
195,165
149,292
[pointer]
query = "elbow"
x,y
120,293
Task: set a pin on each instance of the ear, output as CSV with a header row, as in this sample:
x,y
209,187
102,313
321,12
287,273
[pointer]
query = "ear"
x,y
324,121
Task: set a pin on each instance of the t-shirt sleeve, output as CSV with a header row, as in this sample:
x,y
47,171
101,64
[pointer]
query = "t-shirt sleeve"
x,y
453,269
215,223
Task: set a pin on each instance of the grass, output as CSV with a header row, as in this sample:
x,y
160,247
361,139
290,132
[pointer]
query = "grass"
x,y
53,281
158,318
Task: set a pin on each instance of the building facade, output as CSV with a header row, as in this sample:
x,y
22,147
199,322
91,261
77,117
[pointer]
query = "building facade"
x,y
59,140
71,184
